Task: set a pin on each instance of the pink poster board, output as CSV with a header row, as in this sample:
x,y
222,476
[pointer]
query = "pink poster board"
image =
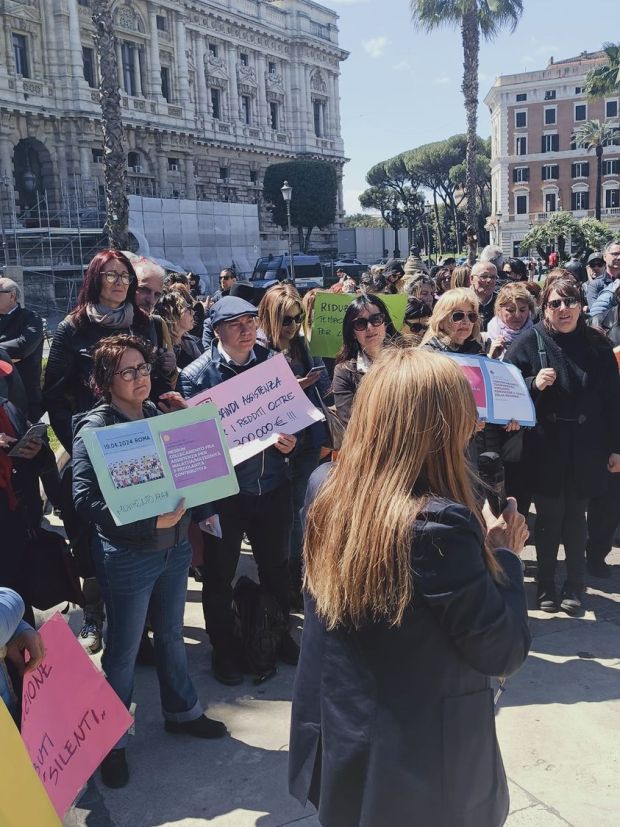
x,y
71,717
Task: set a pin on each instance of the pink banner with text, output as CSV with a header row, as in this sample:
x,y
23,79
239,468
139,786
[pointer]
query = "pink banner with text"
x,y
71,717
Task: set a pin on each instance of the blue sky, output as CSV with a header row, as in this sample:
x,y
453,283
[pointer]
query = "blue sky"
x,y
400,88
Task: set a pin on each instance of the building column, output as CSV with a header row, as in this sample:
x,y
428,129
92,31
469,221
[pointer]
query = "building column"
x,y
307,98
287,109
233,89
6,158
85,159
155,67
119,63
190,183
136,70
181,50
162,169
202,94
75,42
336,86
262,92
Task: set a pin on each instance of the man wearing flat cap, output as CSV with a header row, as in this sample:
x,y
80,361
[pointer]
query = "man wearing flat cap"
x,y
262,508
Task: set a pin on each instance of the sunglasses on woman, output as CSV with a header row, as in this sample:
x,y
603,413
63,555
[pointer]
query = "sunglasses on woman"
x,y
113,278
361,323
459,315
287,321
131,374
569,303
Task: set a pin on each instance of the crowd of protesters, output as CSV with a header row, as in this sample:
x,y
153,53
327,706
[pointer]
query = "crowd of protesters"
x,y
140,342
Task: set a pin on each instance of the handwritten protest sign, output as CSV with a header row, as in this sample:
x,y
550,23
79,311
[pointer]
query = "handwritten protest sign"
x,y
23,800
258,405
328,315
71,717
499,390
145,467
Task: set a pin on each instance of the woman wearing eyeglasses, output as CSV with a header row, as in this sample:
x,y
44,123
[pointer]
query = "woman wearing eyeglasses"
x,y
366,328
280,319
141,566
106,305
573,379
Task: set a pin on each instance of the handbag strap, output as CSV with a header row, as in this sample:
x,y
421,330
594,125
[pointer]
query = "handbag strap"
x,y
542,352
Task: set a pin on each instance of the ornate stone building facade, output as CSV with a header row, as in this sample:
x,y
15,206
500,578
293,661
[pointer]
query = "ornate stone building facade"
x,y
212,92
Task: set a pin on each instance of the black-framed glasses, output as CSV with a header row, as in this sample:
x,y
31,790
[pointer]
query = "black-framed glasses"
x,y
569,303
113,278
459,315
131,374
362,323
287,321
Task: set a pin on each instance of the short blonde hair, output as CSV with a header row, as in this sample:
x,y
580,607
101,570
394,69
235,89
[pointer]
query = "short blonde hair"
x,y
446,304
514,292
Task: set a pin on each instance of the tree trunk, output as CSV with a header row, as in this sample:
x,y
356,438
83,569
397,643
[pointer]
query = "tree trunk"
x,y
599,181
307,239
300,239
470,35
114,158
438,223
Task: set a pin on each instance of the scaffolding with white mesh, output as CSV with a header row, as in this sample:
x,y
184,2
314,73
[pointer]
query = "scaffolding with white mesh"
x,y
53,240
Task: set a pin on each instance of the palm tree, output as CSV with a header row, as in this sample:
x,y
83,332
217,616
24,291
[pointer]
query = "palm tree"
x,y
605,79
475,17
595,135
114,158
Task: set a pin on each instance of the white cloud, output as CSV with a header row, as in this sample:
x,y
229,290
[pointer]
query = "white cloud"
x,y
444,80
376,45
403,66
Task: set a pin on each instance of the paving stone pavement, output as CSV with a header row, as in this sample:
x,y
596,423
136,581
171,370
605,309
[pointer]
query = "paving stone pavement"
x,y
557,727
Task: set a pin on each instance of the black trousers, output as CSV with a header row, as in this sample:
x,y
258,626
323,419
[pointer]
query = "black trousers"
x,y
603,517
561,519
267,520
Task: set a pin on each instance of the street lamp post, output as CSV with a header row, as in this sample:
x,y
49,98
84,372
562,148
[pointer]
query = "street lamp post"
x,y
498,215
287,194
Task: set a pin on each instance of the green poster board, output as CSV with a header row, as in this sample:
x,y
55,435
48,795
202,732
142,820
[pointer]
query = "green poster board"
x,y
329,310
144,467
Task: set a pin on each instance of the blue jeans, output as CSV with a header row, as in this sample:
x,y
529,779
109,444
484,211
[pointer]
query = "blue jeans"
x,y
134,582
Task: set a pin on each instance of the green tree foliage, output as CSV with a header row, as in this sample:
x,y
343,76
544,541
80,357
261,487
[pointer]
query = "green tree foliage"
x,y
586,235
474,18
605,79
440,168
360,219
313,204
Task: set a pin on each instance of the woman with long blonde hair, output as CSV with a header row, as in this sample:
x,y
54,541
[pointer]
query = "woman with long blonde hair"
x,y
413,599
280,319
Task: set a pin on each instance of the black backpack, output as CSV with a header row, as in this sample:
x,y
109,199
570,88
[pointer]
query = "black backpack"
x,y
260,628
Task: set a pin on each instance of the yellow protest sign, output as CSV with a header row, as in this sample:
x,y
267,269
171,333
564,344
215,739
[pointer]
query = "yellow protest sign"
x,y
23,800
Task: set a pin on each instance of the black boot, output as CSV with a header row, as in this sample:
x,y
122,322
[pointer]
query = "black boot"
x,y
114,769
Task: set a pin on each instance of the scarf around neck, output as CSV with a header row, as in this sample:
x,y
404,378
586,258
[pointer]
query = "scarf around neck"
x,y
496,328
118,318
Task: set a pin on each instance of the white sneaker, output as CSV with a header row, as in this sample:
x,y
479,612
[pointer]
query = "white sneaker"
x,y
91,637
